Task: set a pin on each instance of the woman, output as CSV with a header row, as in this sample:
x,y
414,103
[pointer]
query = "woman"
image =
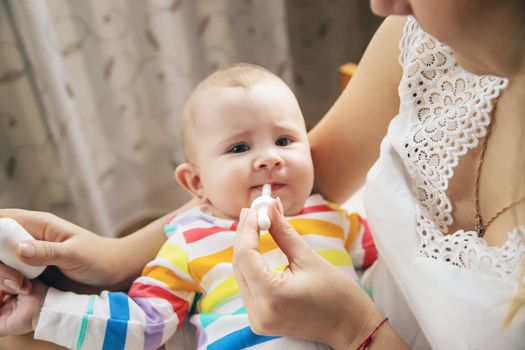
x,y
438,173
447,211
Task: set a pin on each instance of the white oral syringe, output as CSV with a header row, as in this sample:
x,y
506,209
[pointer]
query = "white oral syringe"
x,y
261,203
12,233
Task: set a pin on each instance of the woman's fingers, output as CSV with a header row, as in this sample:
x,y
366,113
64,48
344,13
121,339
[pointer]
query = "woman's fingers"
x,y
288,240
249,264
246,249
256,279
240,251
78,253
36,223
41,252
54,239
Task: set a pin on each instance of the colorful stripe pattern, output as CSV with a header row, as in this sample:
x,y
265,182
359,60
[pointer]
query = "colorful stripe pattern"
x,y
195,266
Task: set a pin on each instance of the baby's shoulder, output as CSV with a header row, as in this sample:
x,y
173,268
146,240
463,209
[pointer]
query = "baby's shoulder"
x,y
318,208
193,221
317,203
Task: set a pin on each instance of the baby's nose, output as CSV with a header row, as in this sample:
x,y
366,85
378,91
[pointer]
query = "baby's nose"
x,y
269,160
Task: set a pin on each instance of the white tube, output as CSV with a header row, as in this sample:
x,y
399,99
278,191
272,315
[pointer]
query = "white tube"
x,y
11,233
261,203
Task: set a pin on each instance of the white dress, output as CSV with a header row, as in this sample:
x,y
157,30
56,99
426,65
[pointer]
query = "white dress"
x,y
439,291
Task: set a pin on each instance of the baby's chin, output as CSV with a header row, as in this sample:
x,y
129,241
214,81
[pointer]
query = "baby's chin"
x,y
290,209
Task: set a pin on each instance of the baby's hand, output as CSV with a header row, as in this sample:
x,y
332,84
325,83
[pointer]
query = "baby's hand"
x,y
19,313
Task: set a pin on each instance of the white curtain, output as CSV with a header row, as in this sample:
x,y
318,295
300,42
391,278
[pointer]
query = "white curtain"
x,y
95,134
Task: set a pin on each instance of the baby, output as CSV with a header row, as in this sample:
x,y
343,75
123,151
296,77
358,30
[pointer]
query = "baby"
x,y
241,128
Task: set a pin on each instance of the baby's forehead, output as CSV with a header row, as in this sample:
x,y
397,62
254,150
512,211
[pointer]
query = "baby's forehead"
x,y
239,101
215,107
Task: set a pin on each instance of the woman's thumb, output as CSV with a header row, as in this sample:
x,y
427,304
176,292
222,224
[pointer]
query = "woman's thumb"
x,y
290,242
37,253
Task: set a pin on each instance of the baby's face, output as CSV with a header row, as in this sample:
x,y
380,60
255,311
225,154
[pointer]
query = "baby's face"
x,y
245,139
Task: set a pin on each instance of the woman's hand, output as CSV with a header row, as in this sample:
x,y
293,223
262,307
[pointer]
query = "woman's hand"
x,y
311,299
80,254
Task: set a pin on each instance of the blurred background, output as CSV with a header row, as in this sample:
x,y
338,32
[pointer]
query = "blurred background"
x,y
91,90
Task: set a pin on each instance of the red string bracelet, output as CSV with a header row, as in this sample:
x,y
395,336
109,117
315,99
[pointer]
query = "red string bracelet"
x,y
364,345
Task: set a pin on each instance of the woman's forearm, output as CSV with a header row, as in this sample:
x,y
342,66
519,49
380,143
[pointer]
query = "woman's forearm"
x,y
376,333
134,251
361,320
387,338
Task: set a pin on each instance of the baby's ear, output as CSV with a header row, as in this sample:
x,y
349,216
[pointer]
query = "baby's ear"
x,y
189,179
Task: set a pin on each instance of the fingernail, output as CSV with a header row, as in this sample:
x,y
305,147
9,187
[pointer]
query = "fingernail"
x,y
279,205
10,284
26,249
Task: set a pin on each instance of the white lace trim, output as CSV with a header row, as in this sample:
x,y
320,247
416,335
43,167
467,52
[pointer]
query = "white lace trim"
x,y
449,111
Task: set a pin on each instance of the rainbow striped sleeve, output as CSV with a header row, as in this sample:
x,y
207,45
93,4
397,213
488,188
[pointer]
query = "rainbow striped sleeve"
x,y
156,305
359,242
358,238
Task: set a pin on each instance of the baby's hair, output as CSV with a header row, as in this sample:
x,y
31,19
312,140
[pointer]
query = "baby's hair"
x,y
241,75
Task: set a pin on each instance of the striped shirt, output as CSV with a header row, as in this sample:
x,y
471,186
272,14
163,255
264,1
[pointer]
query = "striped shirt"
x,y
192,276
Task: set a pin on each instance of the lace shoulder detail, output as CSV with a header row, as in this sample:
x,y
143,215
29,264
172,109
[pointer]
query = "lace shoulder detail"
x,y
447,111
410,33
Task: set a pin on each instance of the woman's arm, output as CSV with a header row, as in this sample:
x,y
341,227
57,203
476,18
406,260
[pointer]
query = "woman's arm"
x,y
345,143
80,254
311,299
136,250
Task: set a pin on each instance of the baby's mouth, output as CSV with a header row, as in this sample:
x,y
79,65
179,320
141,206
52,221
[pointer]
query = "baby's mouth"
x,y
275,187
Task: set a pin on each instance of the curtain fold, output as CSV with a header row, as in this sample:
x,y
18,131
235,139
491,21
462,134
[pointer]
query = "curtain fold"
x,y
91,91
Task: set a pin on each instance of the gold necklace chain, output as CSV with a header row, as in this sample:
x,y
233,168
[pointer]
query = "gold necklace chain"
x,y
480,226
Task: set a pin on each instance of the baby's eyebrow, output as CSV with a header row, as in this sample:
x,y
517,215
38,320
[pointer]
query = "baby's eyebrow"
x,y
236,136
232,139
288,125
241,133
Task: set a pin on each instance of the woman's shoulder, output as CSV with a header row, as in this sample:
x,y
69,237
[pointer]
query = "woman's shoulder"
x,y
443,114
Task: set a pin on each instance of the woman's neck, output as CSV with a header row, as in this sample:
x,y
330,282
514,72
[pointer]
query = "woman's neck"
x,y
498,51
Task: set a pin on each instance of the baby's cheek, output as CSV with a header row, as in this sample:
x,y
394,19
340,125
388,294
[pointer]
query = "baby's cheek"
x,y
230,205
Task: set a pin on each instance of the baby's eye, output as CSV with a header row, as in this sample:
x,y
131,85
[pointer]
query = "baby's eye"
x,y
239,148
283,141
